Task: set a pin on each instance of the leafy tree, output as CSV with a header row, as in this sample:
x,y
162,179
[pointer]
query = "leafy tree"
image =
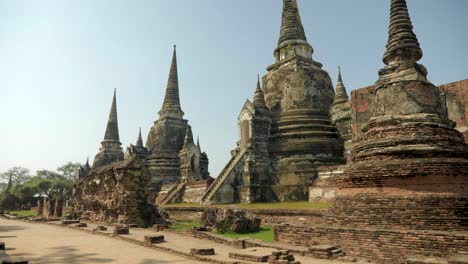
x,y
68,170
16,175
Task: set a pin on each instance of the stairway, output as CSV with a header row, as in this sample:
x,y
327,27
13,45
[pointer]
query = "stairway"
x,y
170,195
206,199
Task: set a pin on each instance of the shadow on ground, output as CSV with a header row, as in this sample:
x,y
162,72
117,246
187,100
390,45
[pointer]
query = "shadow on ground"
x,y
10,228
65,254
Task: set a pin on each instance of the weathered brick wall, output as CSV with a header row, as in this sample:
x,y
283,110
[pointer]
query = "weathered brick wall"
x,y
324,187
116,193
456,94
360,114
194,191
384,246
268,216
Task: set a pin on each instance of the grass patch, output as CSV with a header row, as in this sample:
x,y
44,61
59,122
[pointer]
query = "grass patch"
x,y
282,205
265,234
24,213
185,224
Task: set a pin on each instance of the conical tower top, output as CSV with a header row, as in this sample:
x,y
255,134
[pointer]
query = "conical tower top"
x,y
259,98
403,45
341,95
292,40
112,129
139,142
291,24
171,105
87,163
198,144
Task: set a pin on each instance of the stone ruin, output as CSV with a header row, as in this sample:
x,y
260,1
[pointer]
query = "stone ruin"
x,y
403,191
230,220
126,187
50,208
286,132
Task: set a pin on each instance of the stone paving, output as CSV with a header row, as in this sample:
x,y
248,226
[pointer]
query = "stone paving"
x,y
54,243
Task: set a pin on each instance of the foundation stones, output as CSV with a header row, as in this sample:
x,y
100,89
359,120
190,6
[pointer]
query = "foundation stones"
x,y
202,251
14,261
156,239
2,245
121,230
69,222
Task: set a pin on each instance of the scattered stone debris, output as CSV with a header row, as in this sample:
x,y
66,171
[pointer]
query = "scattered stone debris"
x,y
282,257
154,239
227,219
202,251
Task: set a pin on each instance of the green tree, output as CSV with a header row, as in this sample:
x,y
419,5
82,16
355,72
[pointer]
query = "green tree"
x,y
68,170
16,175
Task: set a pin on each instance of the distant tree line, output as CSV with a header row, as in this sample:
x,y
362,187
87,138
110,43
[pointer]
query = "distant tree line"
x,y
20,189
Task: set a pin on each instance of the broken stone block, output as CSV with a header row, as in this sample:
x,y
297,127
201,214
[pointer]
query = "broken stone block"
x,y
81,225
154,239
2,245
121,230
202,251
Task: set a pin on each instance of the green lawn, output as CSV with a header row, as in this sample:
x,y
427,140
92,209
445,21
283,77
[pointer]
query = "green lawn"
x,y
265,234
24,213
283,205
184,224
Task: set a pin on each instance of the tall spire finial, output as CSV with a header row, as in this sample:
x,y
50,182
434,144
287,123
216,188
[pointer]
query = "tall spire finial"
x,y
139,142
171,104
112,129
339,75
341,95
259,97
291,24
198,144
403,45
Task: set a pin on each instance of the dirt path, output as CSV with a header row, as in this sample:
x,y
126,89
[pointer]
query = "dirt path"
x,y
41,244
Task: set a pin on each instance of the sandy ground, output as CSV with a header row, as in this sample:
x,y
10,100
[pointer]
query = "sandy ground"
x,y
40,243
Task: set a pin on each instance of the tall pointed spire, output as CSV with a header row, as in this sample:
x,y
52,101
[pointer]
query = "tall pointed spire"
x,y
341,95
87,163
112,129
292,39
139,142
291,25
171,105
198,144
403,45
259,98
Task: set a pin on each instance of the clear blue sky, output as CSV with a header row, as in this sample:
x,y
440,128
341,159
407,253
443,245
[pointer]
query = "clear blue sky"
x,y
61,59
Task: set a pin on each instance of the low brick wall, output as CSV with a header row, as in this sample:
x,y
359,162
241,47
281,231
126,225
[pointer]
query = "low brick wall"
x,y
384,246
268,216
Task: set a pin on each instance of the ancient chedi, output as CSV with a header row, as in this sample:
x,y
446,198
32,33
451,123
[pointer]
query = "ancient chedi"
x,y
341,112
286,132
409,154
167,142
111,149
125,188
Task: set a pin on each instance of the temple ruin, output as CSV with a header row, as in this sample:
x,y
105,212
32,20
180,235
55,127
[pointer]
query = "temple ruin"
x,y
286,132
125,187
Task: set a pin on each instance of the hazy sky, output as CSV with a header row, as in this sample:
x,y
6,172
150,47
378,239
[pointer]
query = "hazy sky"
x,y
60,61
